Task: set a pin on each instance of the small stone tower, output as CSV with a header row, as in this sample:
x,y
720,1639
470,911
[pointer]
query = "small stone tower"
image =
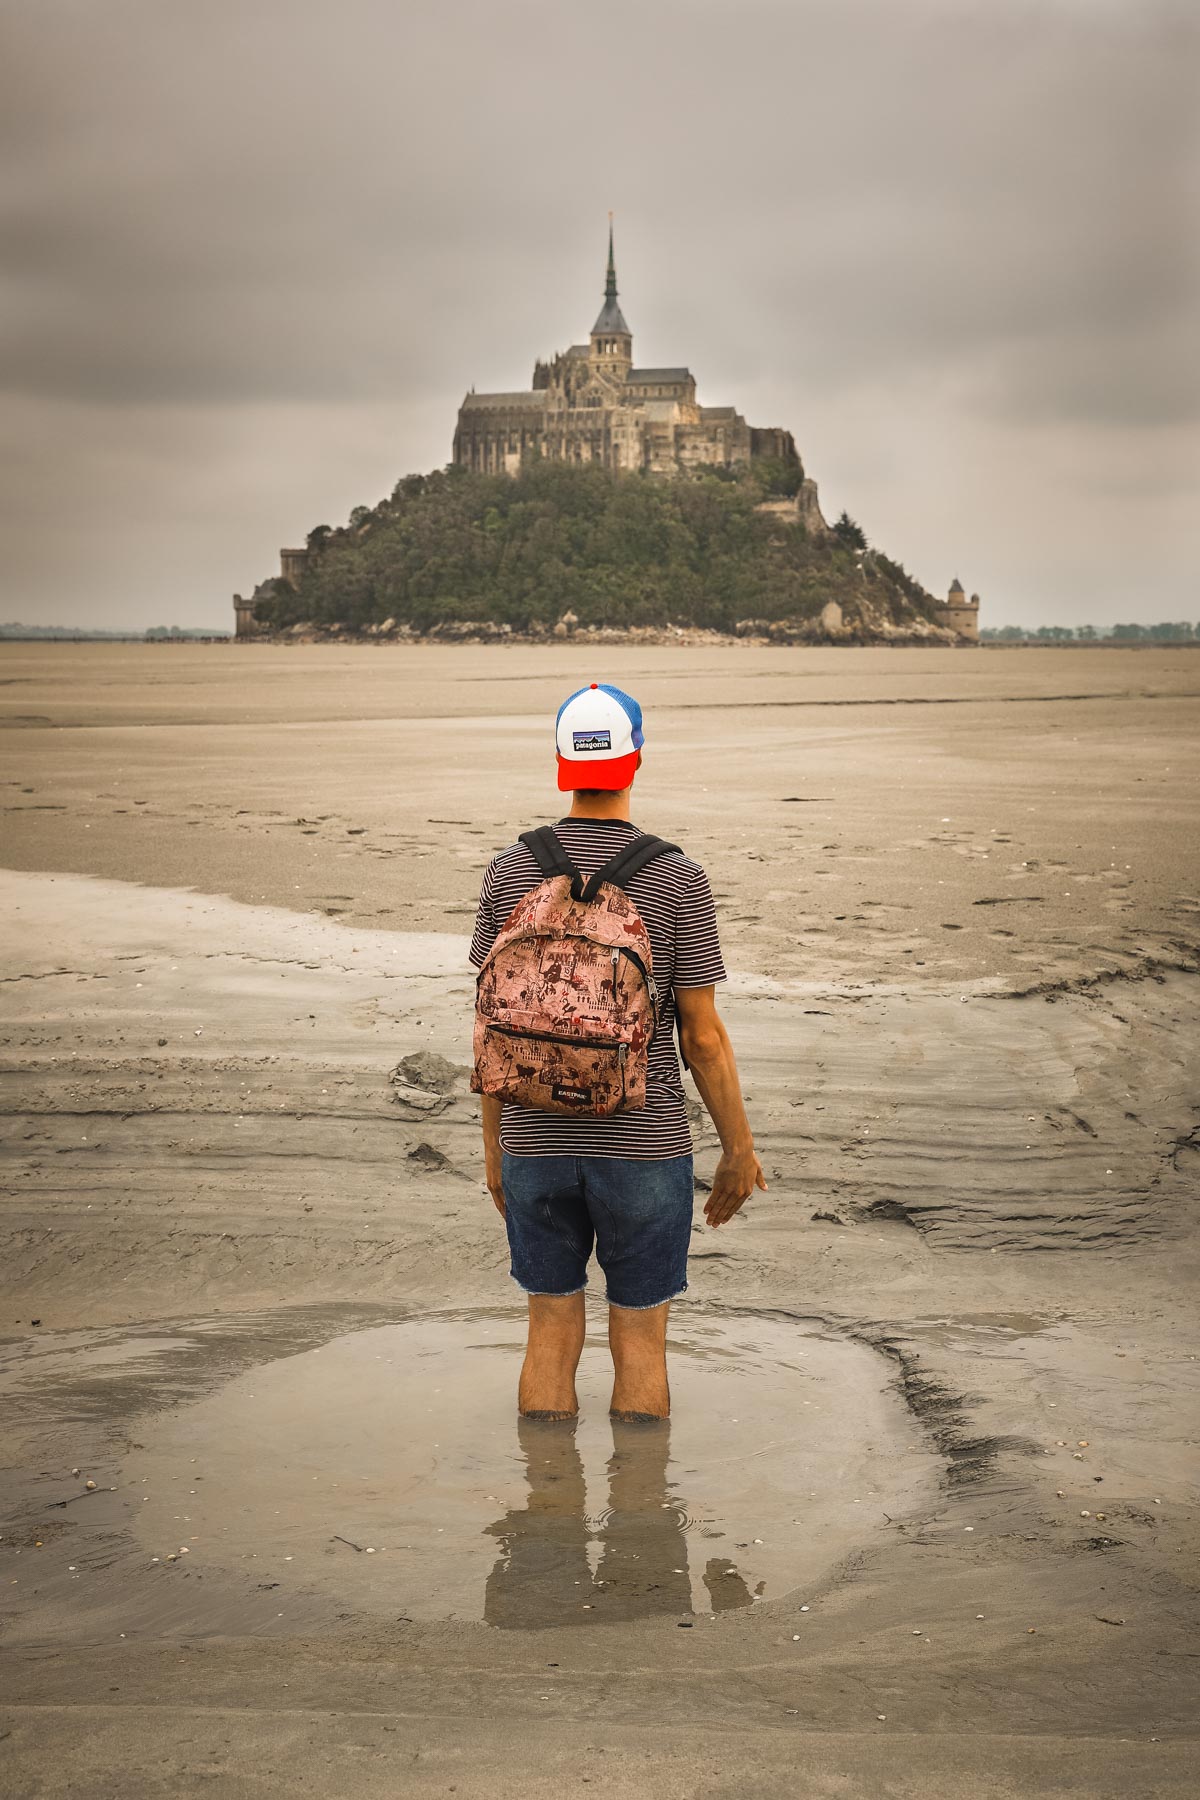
x,y
292,565
959,613
611,341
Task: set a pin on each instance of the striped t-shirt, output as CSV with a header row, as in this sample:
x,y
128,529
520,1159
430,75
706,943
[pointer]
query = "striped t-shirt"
x,y
675,901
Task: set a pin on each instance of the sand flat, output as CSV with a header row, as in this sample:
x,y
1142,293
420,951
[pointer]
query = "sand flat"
x,y
237,1128
877,815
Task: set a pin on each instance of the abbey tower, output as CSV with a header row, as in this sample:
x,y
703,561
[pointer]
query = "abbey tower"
x,y
590,404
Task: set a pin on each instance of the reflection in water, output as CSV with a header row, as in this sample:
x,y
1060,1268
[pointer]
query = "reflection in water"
x,y
643,1564
726,1589
542,1569
543,1575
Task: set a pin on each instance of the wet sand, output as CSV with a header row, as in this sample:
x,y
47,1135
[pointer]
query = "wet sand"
x,y
863,813
238,1134
281,1482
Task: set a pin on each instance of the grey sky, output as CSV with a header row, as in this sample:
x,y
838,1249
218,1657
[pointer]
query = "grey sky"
x,y
254,253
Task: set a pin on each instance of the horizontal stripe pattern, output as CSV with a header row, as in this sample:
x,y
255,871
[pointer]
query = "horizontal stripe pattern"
x,y
675,901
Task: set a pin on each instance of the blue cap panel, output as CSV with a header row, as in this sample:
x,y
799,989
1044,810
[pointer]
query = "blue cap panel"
x,y
631,707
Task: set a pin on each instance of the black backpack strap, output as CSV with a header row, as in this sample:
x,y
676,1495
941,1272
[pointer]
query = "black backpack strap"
x,y
679,1034
551,858
621,868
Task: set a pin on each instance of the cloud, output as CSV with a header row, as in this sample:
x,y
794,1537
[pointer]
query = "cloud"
x,y
263,222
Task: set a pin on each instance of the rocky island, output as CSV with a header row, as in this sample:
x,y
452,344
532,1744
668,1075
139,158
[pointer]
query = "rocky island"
x,y
603,500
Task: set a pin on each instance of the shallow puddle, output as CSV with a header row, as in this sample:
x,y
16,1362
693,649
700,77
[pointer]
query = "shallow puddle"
x,y
386,1471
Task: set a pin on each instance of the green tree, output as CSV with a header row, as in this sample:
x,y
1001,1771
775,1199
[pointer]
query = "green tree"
x,y
850,531
777,475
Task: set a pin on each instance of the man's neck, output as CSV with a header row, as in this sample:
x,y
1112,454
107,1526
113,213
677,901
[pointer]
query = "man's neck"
x,y
610,806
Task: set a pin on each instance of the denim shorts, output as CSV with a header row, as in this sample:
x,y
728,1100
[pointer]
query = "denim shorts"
x,y
636,1213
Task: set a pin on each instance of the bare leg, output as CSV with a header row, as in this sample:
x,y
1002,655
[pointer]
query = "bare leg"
x,y
638,1341
556,1328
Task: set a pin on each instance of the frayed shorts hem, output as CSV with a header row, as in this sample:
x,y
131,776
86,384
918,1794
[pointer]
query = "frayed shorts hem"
x,y
547,1293
646,1306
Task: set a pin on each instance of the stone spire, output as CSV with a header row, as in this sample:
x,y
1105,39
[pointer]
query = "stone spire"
x,y
611,321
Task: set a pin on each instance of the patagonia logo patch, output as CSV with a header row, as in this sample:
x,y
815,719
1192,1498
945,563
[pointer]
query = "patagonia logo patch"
x,y
572,1096
592,740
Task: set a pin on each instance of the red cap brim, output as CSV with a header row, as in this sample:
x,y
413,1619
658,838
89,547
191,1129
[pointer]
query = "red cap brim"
x,y
612,774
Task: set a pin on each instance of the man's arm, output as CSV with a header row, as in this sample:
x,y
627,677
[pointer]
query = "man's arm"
x,y
486,930
492,1153
710,1058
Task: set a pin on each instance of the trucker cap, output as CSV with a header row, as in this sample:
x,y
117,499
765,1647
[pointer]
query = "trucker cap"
x,y
599,734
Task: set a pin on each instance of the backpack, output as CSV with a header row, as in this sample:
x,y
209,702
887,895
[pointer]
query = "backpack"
x,y
565,1003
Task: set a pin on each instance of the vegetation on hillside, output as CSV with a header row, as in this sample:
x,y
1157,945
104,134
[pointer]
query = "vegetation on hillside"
x,y
616,550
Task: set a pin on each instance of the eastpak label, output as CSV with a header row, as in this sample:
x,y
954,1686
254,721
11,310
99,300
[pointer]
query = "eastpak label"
x,y
592,740
573,1096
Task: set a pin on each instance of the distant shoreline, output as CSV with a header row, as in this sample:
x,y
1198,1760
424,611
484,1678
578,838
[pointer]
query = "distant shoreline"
x,y
111,637
685,639
693,640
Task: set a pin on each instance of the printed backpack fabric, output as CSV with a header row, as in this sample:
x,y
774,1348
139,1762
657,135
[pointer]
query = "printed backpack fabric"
x,y
566,1004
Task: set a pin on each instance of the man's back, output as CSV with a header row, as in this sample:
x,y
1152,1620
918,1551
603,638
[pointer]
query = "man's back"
x,y
621,1184
675,901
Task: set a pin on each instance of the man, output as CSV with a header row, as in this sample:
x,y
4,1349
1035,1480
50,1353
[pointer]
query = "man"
x,y
622,1183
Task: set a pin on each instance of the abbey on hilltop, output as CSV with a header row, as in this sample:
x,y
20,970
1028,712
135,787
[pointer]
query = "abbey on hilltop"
x,y
589,404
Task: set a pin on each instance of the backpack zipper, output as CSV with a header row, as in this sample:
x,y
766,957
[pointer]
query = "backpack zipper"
x,y
620,950
554,1037
639,965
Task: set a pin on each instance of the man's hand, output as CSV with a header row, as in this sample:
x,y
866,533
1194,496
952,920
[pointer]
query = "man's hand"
x,y
495,1186
710,1057
493,1156
739,1172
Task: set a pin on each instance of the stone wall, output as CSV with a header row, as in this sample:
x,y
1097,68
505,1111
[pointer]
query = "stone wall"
x,y
808,506
773,440
802,508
